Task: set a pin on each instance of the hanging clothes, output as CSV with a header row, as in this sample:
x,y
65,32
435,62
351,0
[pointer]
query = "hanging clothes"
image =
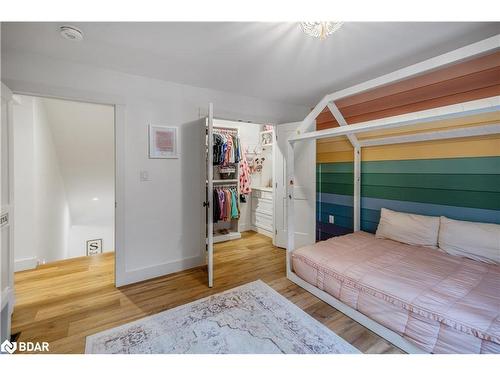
x,y
245,176
226,206
226,147
216,204
235,212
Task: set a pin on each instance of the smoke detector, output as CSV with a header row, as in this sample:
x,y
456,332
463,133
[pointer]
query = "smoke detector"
x,y
71,33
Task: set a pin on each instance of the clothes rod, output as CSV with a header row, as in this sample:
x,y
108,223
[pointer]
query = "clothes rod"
x,y
226,181
216,128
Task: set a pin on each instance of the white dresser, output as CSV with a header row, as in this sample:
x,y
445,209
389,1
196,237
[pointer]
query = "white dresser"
x,y
262,211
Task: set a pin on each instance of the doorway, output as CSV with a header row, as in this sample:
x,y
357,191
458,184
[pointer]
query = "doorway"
x,y
64,180
239,183
304,188
261,204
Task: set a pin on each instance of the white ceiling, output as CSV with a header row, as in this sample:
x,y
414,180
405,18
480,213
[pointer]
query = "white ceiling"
x,y
83,135
267,60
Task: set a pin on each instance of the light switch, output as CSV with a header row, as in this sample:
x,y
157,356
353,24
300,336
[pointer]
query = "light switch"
x,y
331,219
144,176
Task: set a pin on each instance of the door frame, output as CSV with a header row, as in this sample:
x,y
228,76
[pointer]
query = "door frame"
x,y
276,151
7,296
119,144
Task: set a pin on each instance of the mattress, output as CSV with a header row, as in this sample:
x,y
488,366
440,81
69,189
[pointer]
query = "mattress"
x,y
439,302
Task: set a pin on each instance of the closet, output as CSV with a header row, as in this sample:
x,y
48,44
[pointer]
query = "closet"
x,y
239,181
227,153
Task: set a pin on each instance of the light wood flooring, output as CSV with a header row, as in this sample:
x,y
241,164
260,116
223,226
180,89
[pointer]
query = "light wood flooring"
x,y
63,302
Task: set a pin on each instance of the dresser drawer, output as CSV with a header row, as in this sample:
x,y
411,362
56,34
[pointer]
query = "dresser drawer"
x,y
262,194
263,221
262,205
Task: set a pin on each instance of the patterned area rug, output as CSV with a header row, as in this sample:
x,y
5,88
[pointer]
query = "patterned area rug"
x,y
252,318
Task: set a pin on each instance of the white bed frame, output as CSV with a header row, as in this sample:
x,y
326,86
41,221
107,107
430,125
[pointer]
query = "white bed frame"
x,y
492,104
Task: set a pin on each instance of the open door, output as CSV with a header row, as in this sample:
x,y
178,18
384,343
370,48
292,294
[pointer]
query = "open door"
x,y
6,220
209,195
305,188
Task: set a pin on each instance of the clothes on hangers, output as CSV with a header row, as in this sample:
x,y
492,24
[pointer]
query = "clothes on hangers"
x,y
226,147
225,202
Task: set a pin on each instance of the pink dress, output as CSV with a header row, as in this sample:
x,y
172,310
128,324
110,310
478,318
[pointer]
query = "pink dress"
x,y
244,175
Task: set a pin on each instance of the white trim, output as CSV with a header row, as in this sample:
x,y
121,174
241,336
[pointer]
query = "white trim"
x,y
311,117
120,230
275,183
290,222
12,215
469,131
7,298
362,319
140,274
120,134
264,232
342,122
421,117
210,187
25,264
460,54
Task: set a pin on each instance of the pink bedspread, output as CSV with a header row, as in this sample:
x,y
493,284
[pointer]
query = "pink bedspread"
x,y
442,303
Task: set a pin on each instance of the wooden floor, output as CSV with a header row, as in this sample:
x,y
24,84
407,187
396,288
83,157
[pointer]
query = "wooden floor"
x,y
65,301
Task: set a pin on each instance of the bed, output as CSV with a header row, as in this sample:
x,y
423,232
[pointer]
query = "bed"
x,y
438,302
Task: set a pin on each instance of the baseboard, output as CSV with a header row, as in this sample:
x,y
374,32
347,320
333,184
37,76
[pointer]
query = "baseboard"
x,y
145,273
262,231
244,227
25,264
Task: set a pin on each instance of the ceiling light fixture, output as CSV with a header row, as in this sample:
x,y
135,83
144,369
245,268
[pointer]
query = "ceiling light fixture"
x,y
71,33
320,29
95,199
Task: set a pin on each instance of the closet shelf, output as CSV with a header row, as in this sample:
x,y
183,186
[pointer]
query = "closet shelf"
x,y
229,181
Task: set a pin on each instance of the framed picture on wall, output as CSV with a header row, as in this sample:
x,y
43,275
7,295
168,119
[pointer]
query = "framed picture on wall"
x,y
162,142
94,247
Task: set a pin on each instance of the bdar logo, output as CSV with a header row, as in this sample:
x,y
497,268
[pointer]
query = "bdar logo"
x,y
24,347
8,347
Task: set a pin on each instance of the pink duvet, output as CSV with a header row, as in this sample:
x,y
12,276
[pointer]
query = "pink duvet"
x,y
441,303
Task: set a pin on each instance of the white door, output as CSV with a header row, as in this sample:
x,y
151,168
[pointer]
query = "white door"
x,y
305,188
209,201
6,228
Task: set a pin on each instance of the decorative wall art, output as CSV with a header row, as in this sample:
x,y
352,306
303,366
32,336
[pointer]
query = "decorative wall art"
x,y
163,142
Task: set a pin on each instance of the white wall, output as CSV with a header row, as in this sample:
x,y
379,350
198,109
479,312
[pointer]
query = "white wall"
x,y
42,218
64,157
162,227
25,254
83,137
80,234
51,210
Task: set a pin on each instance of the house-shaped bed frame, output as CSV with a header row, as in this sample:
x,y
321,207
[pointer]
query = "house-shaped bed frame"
x,y
455,111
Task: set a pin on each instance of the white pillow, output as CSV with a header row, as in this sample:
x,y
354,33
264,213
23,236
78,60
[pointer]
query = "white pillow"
x,y
411,229
478,241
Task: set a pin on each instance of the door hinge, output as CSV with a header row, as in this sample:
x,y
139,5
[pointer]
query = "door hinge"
x,y
275,231
206,204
